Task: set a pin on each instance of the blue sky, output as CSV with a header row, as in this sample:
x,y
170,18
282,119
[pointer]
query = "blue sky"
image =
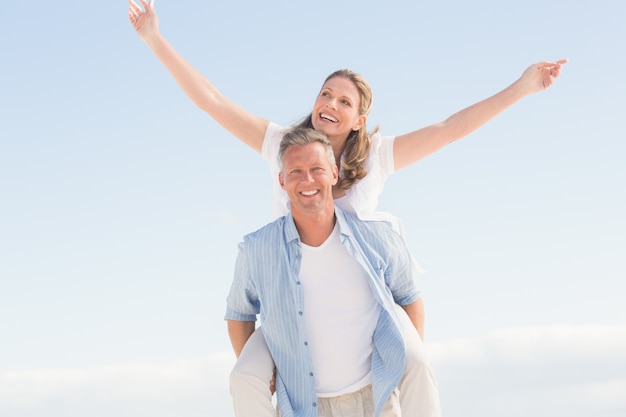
x,y
121,204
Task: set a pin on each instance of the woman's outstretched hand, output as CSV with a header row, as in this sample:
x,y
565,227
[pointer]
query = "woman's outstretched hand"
x,y
145,21
541,75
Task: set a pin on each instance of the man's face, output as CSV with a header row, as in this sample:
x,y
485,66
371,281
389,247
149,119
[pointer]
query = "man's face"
x,y
308,178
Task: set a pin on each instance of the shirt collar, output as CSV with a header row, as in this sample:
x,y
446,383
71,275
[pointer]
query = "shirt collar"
x,y
344,228
291,233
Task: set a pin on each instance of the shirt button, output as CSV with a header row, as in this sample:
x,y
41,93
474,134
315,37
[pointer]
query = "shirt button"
x,y
310,373
298,282
300,312
314,404
306,343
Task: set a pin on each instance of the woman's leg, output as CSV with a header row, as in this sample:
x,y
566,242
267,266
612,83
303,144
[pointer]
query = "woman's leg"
x,y
250,379
419,394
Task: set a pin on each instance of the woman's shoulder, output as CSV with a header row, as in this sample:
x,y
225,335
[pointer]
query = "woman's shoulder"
x,y
378,140
380,156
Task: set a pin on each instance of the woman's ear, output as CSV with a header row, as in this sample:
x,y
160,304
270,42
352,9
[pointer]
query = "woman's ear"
x,y
360,123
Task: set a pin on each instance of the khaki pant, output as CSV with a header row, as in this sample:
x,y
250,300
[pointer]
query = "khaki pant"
x,y
357,404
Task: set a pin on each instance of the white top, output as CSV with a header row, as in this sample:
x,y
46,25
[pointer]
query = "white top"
x,y
340,316
361,198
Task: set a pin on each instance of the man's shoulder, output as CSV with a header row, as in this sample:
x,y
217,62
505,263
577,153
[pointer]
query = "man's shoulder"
x,y
266,233
376,225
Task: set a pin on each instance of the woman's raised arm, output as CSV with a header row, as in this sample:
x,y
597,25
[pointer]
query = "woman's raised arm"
x,y
248,128
411,147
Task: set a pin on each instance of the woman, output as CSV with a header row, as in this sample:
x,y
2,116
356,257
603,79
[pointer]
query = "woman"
x,y
340,111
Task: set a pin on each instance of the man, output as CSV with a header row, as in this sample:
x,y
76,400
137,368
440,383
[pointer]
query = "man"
x,y
325,285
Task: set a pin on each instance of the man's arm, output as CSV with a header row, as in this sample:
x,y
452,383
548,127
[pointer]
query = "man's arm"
x,y
239,333
415,311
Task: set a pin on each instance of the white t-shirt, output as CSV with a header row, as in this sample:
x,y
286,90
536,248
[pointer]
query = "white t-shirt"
x,y
340,315
361,198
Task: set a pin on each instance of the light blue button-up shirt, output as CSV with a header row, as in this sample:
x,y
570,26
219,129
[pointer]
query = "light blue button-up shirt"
x,y
267,282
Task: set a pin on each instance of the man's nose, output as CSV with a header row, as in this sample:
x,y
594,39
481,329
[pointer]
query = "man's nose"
x,y
307,176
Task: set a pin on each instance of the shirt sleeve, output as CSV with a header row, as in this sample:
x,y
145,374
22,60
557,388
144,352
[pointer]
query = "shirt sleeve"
x,y
402,272
269,151
242,303
387,163
271,142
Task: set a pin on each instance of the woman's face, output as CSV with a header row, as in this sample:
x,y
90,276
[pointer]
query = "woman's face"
x,y
336,109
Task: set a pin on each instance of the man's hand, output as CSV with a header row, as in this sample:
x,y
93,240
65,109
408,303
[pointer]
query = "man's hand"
x,y
273,382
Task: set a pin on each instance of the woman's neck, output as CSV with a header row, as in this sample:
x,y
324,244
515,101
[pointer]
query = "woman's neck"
x,y
339,145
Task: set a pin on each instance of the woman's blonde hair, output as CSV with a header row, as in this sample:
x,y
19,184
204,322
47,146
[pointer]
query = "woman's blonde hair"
x,y
358,141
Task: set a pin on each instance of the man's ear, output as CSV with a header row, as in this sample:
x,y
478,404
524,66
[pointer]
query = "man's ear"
x,y
281,181
335,175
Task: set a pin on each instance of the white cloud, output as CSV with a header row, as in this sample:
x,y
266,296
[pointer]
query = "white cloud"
x,y
199,386
541,371
521,343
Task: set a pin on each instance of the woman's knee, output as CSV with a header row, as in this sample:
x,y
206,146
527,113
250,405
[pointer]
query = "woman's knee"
x,y
416,357
255,359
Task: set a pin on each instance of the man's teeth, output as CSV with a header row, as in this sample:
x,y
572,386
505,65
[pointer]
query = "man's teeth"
x,y
309,192
329,118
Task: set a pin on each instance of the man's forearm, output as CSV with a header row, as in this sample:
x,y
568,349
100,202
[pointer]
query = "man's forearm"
x,y
239,333
415,311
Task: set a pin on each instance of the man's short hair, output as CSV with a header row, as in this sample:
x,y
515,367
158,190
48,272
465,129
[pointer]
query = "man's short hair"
x,y
300,136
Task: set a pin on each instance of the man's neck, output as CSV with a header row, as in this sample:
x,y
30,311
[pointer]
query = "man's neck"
x,y
314,229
